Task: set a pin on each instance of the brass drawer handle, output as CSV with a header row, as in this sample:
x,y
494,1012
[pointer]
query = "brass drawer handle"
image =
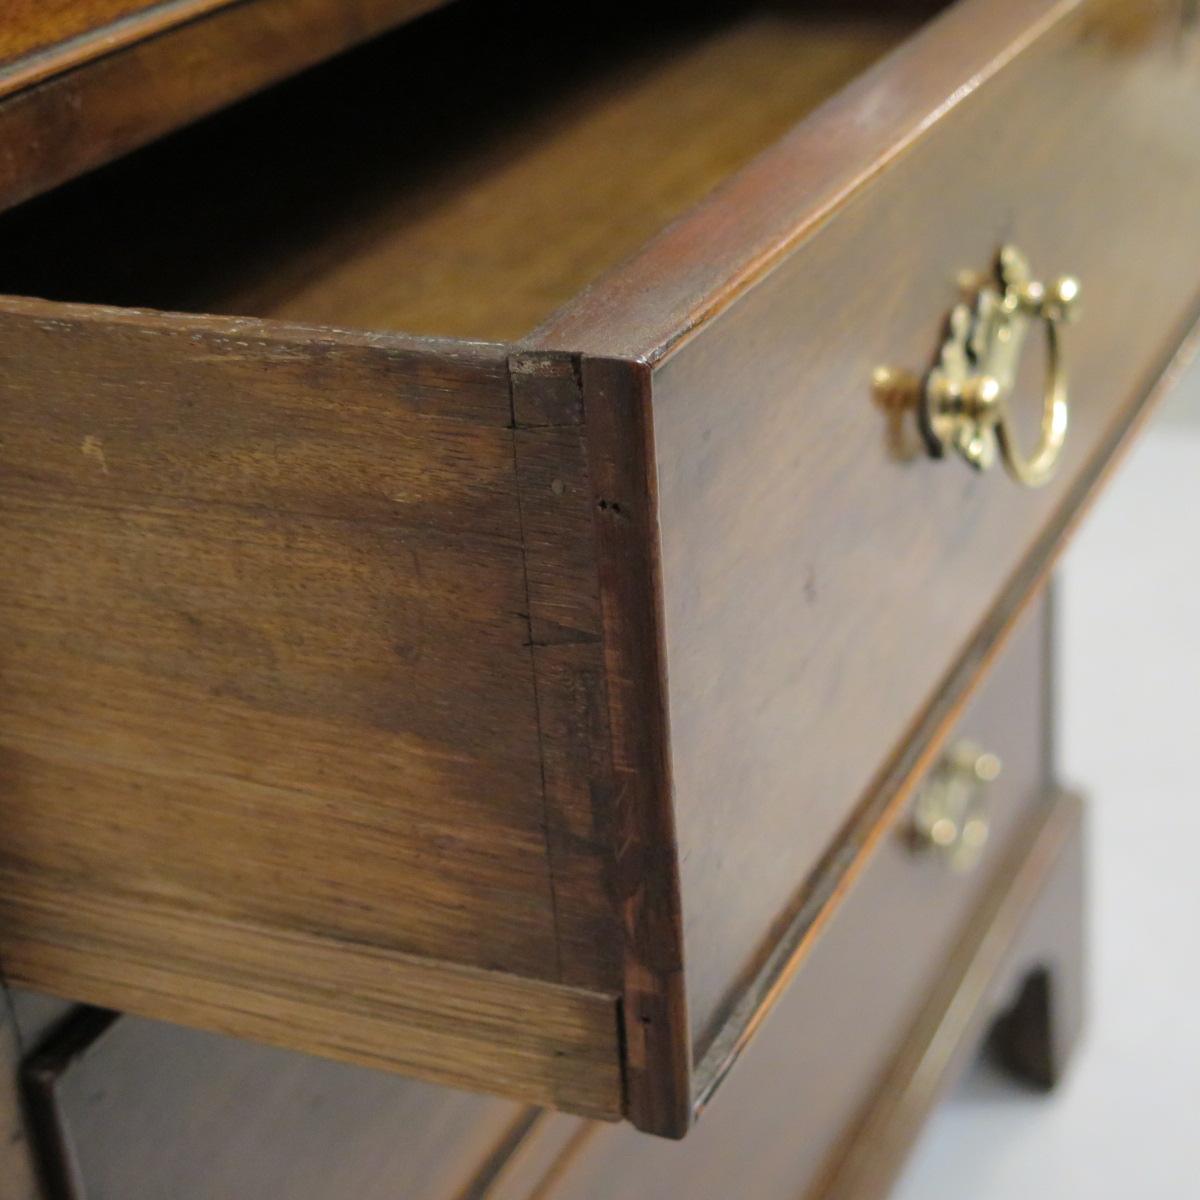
x,y
950,816
963,402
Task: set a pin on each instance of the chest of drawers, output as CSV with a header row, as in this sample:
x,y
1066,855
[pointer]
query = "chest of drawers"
x,y
486,556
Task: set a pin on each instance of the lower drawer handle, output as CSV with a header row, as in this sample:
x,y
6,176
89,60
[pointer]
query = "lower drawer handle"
x,y
950,816
963,402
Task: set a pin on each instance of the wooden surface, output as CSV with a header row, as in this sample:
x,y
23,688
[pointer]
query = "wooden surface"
x,y
564,640
157,1112
818,590
374,659
777,603
802,1084
539,1042
40,37
651,130
271,624
654,1009
727,244
134,71
323,202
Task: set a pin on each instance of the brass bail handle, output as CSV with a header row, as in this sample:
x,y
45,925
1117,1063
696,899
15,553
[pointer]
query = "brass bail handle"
x,y
964,401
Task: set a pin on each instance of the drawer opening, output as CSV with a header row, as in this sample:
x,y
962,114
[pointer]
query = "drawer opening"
x,y
464,177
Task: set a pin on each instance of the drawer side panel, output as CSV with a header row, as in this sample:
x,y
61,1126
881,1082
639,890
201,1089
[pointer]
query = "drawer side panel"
x,y
267,679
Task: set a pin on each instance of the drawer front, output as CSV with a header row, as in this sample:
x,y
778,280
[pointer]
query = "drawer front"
x,y
802,1082
819,587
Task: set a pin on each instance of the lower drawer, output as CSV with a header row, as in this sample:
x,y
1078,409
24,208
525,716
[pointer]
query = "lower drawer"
x,y
123,1108
820,1056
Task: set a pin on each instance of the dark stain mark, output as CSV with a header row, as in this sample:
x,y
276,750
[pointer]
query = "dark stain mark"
x,y
810,585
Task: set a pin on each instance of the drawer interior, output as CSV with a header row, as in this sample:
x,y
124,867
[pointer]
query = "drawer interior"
x,y
465,176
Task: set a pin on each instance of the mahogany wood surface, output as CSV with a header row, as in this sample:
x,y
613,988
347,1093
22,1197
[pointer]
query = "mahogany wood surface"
x,y
86,81
265,610
365,532
140,1106
566,647
450,642
654,1003
49,33
696,267
818,589
486,1030
368,195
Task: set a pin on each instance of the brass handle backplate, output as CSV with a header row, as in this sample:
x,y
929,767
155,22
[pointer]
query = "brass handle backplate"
x,y
963,403
950,815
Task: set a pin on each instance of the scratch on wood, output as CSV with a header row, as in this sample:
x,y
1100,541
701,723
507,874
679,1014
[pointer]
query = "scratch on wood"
x,y
93,449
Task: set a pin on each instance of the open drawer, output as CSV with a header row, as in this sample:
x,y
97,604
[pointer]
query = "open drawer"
x,y
502,693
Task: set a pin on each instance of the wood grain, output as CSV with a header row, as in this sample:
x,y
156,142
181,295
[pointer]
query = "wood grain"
x,y
745,229
695,81
512,234
565,645
471,222
265,606
41,37
654,1010
459,1026
272,611
155,1111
